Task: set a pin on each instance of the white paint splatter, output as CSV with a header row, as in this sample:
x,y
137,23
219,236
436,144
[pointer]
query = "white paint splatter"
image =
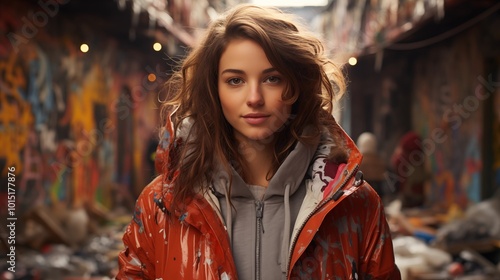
x,y
224,276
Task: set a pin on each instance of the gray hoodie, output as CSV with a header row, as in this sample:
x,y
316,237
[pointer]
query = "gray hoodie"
x,y
259,225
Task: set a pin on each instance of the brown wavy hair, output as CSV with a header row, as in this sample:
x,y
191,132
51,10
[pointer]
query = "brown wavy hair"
x,y
313,81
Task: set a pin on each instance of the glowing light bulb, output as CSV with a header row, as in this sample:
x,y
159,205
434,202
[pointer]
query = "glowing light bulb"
x,y
151,77
157,46
84,48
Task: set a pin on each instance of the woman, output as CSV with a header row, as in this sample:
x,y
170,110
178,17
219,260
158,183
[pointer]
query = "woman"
x,y
257,179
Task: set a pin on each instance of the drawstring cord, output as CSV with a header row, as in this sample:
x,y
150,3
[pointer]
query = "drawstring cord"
x,y
229,214
286,231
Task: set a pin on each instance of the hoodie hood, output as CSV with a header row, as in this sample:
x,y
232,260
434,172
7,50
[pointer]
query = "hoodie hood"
x,y
322,177
304,161
291,173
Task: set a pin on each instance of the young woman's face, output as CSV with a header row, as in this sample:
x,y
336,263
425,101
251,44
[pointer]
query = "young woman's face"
x,y
250,91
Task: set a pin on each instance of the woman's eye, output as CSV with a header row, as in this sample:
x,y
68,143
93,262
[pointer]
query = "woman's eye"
x,y
234,81
273,79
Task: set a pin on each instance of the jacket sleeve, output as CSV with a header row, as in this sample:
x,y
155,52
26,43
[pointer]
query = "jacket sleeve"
x,y
378,250
136,259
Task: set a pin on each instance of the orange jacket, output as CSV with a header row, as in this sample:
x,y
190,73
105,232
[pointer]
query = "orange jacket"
x,y
344,235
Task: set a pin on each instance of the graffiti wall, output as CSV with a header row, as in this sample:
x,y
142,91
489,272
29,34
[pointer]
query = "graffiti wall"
x,y
447,113
75,127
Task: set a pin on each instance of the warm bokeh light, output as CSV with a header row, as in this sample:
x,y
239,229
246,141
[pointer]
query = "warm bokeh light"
x,y
157,46
84,48
151,77
353,61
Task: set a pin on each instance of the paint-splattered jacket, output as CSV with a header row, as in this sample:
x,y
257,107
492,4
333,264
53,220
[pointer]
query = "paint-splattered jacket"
x,y
344,234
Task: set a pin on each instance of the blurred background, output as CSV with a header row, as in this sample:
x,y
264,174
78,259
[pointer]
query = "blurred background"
x,y
79,116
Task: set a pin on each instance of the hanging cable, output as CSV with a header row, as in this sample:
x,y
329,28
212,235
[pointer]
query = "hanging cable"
x,y
445,35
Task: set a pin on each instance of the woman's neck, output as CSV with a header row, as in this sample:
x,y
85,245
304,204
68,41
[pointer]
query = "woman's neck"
x,y
258,162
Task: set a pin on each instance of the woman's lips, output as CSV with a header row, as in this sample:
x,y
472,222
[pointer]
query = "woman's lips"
x,y
255,119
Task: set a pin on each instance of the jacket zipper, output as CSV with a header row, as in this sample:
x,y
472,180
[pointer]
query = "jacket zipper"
x,y
259,209
335,196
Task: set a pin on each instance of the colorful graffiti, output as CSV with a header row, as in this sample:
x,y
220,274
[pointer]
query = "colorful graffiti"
x,y
447,104
15,114
61,118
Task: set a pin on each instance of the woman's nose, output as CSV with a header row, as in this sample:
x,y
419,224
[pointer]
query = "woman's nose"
x,y
255,97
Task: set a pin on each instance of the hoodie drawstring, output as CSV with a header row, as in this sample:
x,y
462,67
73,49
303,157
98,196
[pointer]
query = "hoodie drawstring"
x,y
229,214
286,231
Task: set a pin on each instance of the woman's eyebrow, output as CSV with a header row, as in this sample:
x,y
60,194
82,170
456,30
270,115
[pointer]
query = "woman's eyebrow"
x,y
238,71
269,70
235,71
